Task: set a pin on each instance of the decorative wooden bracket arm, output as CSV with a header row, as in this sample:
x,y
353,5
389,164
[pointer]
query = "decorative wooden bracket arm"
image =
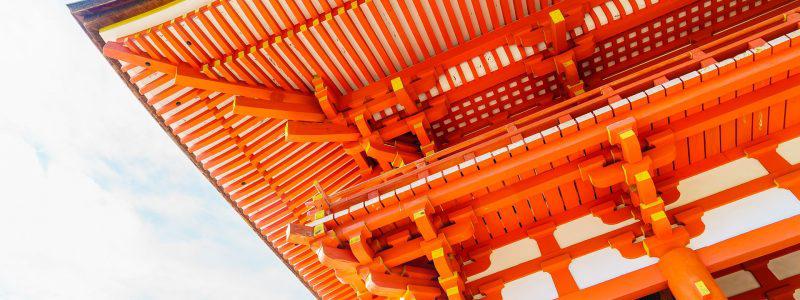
x,y
480,261
626,245
692,221
187,76
392,154
395,286
610,214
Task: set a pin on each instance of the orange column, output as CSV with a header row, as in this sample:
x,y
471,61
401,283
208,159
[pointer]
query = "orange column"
x,y
687,276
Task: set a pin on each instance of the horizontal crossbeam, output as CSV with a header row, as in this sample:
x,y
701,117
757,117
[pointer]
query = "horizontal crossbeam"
x,y
187,76
277,109
319,132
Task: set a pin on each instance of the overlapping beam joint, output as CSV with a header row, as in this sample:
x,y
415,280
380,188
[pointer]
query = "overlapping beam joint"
x,y
412,247
686,275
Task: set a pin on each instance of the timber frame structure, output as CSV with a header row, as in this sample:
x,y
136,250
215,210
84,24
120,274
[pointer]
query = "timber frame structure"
x,y
487,149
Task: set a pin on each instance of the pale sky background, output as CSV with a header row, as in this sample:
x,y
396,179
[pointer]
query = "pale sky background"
x,y
97,202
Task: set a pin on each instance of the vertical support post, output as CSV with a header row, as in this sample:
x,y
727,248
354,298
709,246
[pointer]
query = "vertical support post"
x,y
687,276
403,96
558,31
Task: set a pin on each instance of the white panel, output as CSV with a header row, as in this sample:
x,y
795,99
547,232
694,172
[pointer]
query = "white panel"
x,y
372,21
736,283
537,286
404,29
626,6
612,8
503,56
746,214
785,266
439,6
589,22
584,228
461,23
510,255
429,15
605,264
601,15
796,294
718,179
790,150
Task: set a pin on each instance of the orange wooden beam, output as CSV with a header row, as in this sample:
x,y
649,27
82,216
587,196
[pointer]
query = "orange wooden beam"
x,y
189,77
320,132
595,135
277,109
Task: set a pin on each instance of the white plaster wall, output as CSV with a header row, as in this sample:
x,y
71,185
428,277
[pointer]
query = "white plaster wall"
x,y
510,255
737,282
790,150
718,179
605,264
584,228
785,266
537,286
746,214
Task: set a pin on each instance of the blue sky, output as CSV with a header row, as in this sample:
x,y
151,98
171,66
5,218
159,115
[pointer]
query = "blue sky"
x,y
97,200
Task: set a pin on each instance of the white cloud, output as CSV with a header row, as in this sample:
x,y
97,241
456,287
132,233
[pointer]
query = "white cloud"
x,y
95,200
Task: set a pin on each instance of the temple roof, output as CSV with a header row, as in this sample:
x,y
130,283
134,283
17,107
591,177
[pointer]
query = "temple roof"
x,y
328,112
